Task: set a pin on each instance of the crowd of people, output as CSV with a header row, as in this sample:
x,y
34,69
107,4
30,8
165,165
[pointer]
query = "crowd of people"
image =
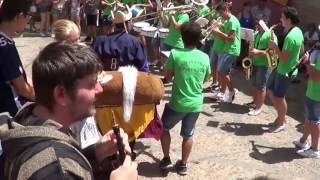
x,y
38,139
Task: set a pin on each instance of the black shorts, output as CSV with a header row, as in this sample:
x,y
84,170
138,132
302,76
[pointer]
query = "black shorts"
x,y
92,20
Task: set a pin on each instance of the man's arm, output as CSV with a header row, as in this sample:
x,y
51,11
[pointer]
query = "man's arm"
x,y
23,88
284,56
226,37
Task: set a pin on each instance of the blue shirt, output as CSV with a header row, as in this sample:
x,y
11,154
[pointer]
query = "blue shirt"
x,y
10,69
121,49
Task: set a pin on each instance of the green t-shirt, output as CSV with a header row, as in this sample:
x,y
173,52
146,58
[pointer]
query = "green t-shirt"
x,y
292,43
107,11
218,44
128,2
313,90
261,42
174,38
203,11
232,24
191,68
213,15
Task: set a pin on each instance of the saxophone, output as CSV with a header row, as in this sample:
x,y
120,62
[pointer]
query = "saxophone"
x,y
272,57
247,62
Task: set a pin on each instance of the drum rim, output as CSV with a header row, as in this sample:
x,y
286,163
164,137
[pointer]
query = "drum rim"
x,y
164,30
149,30
141,24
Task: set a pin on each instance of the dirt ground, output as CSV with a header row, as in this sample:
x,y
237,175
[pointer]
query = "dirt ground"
x,y
228,144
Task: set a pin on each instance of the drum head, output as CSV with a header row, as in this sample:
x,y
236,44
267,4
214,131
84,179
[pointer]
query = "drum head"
x,y
141,24
150,28
136,11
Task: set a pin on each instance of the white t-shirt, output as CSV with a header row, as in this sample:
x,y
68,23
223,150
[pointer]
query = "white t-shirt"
x,y
86,132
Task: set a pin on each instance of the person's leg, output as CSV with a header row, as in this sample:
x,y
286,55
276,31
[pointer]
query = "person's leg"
x,y
315,132
186,149
48,15
42,22
169,118
165,143
306,131
281,107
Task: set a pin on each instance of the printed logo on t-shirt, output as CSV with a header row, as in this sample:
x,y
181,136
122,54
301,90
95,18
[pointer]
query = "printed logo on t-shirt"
x,y
4,41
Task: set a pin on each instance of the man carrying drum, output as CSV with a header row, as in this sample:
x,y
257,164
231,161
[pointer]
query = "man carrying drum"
x,y
120,48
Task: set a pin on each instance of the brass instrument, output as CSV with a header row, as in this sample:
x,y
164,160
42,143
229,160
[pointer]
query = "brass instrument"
x,y
207,32
247,62
179,9
272,57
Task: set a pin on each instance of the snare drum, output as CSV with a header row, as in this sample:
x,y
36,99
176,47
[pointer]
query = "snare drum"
x,y
149,31
136,11
163,32
139,25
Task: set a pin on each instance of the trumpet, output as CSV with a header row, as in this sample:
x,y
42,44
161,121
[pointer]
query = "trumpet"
x,y
207,32
272,57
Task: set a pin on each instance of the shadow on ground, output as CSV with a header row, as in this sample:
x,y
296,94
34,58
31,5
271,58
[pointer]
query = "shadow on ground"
x,y
148,169
273,155
228,107
243,129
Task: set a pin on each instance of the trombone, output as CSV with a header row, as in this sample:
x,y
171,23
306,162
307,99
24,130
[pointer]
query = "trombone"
x,y
181,9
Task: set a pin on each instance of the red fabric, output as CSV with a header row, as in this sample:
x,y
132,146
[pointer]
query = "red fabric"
x,y
154,129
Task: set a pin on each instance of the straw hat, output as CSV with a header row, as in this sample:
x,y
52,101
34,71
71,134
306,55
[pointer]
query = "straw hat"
x,y
200,2
122,15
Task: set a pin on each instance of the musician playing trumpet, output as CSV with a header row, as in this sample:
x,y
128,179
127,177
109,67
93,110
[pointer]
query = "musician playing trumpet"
x,y
230,35
261,70
280,79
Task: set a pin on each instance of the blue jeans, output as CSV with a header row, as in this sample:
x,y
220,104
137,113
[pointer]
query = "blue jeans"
x,y
171,117
260,77
225,62
278,84
313,111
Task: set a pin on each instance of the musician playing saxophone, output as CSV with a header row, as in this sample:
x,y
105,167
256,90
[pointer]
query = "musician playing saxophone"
x,y
279,80
261,70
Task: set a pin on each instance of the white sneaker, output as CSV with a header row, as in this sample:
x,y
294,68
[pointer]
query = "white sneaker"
x,y
309,153
254,112
219,97
302,145
231,95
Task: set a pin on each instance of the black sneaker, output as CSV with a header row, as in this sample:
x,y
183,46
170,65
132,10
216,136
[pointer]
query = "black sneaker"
x,y
250,105
165,163
181,168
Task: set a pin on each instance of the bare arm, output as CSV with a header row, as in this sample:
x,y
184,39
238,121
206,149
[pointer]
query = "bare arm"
x,y
175,24
284,56
23,88
226,37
